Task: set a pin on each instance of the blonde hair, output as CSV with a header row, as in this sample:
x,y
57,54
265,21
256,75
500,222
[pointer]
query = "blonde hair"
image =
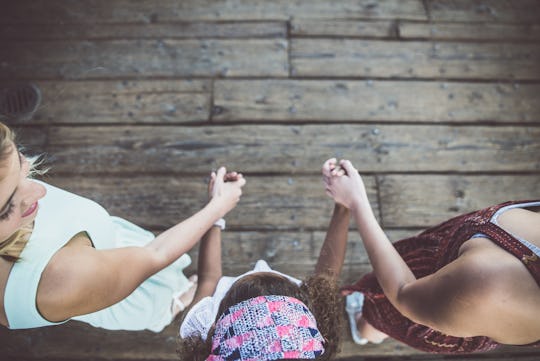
x,y
11,248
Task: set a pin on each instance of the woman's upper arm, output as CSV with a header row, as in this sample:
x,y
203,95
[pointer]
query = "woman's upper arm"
x,y
445,299
80,279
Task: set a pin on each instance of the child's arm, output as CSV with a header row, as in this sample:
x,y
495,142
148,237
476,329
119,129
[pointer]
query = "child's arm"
x,y
333,249
209,268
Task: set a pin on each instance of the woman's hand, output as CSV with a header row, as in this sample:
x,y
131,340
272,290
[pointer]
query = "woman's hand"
x,y
225,188
343,183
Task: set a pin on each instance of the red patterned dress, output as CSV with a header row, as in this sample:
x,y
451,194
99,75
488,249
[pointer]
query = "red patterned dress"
x,y
425,254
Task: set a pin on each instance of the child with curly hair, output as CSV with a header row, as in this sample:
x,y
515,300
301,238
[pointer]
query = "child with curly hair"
x,y
264,314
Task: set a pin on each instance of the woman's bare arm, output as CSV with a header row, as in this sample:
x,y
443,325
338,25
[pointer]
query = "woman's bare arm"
x,y
459,299
80,279
346,187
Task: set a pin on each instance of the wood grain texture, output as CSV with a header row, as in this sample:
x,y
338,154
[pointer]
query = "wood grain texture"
x,y
395,59
373,100
426,200
176,30
523,11
287,149
144,58
123,101
103,11
349,28
469,31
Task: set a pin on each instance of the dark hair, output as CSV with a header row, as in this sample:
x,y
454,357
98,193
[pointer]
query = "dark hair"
x,y
319,293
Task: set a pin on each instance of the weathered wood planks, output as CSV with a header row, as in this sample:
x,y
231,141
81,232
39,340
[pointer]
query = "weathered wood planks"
x,y
102,11
124,101
414,30
299,27
290,149
426,200
522,11
349,28
469,31
269,58
185,101
396,59
172,30
371,100
145,58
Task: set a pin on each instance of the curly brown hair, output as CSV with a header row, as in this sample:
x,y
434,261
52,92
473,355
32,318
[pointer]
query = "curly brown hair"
x,y
320,293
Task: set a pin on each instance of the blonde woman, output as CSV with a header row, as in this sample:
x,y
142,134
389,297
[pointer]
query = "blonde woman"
x,y
64,257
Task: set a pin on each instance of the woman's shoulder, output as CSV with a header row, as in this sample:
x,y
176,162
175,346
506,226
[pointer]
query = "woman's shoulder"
x,y
500,293
490,274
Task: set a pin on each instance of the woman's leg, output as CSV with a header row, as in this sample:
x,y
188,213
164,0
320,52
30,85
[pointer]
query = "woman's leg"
x,y
369,332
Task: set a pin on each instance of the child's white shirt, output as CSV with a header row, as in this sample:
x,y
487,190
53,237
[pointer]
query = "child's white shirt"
x,y
202,316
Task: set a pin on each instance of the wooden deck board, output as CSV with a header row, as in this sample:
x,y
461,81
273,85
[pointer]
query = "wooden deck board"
x,y
175,30
435,101
183,101
396,59
373,100
342,28
145,101
98,11
426,200
293,149
469,31
498,11
145,58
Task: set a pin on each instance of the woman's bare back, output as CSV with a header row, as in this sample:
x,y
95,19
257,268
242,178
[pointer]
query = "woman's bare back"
x,y
506,305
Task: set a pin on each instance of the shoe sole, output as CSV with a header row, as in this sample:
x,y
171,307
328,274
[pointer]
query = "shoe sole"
x,y
19,102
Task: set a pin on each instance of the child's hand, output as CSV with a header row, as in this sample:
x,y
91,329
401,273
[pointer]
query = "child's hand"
x,y
225,188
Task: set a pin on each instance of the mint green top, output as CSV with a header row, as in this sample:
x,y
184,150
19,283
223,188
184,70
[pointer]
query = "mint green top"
x,y
61,215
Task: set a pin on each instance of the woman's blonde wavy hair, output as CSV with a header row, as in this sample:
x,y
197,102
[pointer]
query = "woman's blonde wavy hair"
x,y
11,248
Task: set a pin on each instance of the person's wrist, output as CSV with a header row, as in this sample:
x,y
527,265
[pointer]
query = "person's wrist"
x,y
359,205
341,207
220,223
218,207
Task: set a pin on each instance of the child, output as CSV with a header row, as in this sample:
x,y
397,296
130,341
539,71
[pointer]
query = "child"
x,y
264,314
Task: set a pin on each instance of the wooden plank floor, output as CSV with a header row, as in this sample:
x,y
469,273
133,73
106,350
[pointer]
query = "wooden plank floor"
x,y
435,101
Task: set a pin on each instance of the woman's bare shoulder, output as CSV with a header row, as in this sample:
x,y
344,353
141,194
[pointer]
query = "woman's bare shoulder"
x,y
461,297
499,292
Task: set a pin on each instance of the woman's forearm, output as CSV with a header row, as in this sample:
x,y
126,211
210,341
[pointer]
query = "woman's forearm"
x,y
391,271
333,249
179,239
